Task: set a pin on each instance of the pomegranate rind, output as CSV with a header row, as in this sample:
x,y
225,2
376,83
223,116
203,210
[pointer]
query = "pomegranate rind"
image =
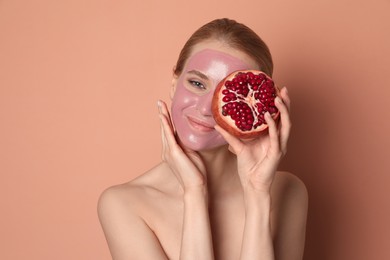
x,y
229,124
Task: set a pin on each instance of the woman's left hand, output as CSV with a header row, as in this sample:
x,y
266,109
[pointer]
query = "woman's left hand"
x,y
258,159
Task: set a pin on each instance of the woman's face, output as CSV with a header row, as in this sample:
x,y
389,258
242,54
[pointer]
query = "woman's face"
x,y
194,89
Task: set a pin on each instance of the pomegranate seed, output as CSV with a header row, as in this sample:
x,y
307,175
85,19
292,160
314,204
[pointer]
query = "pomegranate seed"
x,y
273,110
226,99
231,95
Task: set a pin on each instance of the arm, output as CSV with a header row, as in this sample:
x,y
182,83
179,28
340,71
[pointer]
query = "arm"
x,y
189,170
256,168
196,236
257,162
128,235
257,239
280,235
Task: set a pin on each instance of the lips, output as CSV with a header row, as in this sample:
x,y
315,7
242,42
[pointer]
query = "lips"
x,y
200,125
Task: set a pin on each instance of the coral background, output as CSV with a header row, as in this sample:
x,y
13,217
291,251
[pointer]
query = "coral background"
x,y
79,80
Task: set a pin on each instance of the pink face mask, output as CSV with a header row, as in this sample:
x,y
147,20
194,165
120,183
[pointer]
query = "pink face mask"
x,y
191,103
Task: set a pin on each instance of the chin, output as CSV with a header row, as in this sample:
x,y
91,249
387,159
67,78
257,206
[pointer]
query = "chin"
x,y
202,145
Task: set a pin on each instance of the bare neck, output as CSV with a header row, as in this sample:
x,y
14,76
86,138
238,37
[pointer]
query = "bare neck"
x,y
221,168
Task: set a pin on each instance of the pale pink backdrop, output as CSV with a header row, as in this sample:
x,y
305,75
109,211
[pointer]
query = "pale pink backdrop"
x,y
79,82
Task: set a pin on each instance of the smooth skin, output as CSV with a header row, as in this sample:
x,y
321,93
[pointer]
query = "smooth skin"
x,y
229,202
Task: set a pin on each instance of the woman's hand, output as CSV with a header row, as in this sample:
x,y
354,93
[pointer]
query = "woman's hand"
x,y
184,163
258,159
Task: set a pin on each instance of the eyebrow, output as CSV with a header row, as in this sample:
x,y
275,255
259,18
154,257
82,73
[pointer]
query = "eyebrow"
x,y
199,74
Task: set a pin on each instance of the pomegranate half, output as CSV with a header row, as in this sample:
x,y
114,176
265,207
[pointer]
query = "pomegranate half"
x,y
241,100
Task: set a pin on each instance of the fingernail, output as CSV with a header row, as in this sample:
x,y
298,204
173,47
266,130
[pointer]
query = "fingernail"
x,y
285,89
159,105
277,99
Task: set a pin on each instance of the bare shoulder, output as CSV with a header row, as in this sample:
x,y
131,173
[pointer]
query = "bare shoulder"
x,y
288,186
289,213
138,196
124,211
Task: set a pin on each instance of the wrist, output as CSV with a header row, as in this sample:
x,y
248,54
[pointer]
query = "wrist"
x,y
195,193
256,182
197,190
257,199
262,191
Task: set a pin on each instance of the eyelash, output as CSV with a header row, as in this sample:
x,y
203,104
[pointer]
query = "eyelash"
x,y
197,84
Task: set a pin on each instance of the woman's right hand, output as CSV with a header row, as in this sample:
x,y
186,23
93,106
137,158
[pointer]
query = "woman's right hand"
x,y
184,163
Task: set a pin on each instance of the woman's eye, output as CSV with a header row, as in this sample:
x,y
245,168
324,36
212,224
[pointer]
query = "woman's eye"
x,y
197,84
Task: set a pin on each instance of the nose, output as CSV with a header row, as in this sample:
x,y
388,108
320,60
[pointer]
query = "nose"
x,y
204,105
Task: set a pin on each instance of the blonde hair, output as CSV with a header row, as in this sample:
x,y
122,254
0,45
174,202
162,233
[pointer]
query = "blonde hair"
x,y
235,35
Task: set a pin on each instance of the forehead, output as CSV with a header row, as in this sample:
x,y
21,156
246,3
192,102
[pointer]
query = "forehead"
x,y
216,64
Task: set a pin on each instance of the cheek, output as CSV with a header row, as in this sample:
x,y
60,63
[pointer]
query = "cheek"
x,y
183,98
186,102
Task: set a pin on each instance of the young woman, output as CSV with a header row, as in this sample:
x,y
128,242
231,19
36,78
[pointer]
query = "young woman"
x,y
213,196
